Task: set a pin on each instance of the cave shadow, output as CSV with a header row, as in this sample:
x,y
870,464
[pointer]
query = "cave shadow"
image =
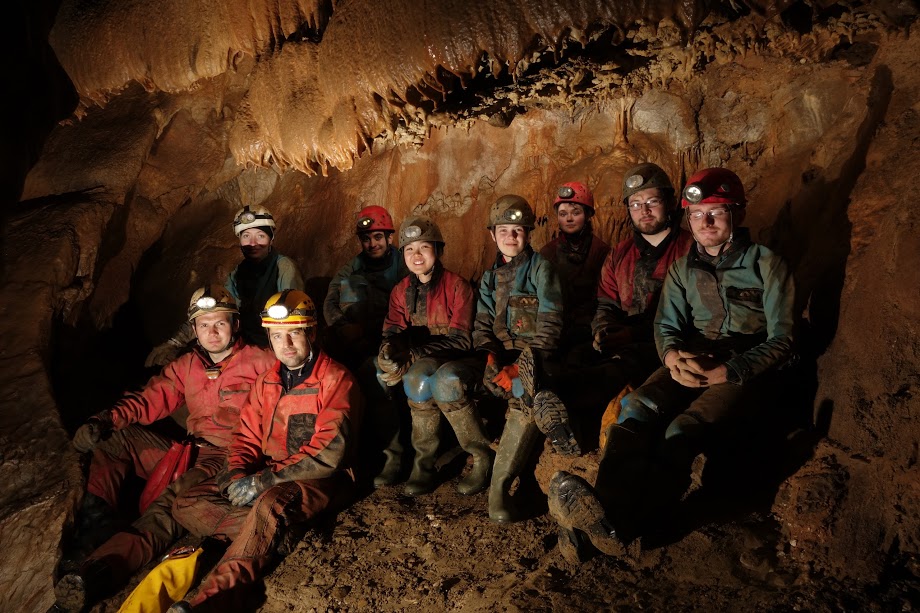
x,y
744,471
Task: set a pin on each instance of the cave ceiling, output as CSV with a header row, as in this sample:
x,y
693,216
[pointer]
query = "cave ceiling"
x,y
314,85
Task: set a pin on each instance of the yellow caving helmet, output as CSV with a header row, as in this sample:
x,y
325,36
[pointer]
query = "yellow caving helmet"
x,y
211,299
290,308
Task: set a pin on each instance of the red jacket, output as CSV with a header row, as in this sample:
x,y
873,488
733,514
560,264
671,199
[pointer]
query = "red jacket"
x,y
213,404
445,306
308,432
628,270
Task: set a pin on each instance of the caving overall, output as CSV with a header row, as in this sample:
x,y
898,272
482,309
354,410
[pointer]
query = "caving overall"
x,y
520,305
298,434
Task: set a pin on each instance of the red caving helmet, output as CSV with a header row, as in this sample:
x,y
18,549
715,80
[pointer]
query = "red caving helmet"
x,y
374,219
713,186
576,193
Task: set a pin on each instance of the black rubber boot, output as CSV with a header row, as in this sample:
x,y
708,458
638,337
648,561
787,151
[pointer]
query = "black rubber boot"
x,y
392,465
514,448
574,506
624,460
468,428
426,419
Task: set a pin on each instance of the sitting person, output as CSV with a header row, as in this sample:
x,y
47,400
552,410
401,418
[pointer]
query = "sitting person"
x,y
355,308
262,272
213,380
518,325
724,323
290,459
578,255
427,347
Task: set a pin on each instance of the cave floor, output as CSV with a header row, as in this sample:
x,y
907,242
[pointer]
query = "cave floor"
x,y
390,552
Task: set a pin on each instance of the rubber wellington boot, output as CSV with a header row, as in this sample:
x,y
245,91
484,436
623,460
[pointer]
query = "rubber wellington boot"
x,y
514,448
392,465
573,505
468,428
624,460
426,419
528,369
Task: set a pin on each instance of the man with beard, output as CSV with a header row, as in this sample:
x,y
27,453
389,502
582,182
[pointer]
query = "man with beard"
x,y
724,325
578,255
290,459
214,381
262,273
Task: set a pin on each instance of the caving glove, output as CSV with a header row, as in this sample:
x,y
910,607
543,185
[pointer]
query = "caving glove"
x,y
243,491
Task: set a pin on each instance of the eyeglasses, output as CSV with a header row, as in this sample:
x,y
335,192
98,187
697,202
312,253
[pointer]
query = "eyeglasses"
x,y
713,214
651,203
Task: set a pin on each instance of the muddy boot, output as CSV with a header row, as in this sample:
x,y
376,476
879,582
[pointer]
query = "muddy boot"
x,y
574,546
573,505
552,418
426,418
468,428
78,591
389,474
527,373
514,448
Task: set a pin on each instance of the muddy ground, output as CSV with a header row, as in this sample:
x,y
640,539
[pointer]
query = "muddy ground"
x,y
720,550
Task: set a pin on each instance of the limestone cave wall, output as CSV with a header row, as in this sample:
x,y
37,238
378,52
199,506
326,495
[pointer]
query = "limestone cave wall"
x,y
188,110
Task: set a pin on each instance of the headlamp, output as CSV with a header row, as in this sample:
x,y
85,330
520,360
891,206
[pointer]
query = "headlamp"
x,y
206,302
365,222
693,193
634,181
413,232
277,311
566,191
514,214
247,217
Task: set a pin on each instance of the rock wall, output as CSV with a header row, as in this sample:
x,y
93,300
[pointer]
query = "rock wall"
x,y
129,205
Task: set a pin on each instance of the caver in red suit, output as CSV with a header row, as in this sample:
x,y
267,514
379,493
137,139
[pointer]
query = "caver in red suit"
x,y
290,459
214,381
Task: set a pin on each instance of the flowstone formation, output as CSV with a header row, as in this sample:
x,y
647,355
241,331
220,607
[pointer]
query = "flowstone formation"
x,y
188,110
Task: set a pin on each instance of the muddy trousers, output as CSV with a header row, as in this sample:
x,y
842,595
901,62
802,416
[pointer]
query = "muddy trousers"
x,y
255,531
126,552
134,448
639,462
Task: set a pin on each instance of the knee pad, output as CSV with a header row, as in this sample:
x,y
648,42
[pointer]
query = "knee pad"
x,y
417,380
636,406
448,384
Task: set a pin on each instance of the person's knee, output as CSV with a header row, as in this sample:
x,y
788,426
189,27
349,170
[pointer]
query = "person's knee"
x,y
448,384
636,406
417,381
685,426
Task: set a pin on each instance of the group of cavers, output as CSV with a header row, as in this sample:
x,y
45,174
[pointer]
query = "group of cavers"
x,y
670,331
